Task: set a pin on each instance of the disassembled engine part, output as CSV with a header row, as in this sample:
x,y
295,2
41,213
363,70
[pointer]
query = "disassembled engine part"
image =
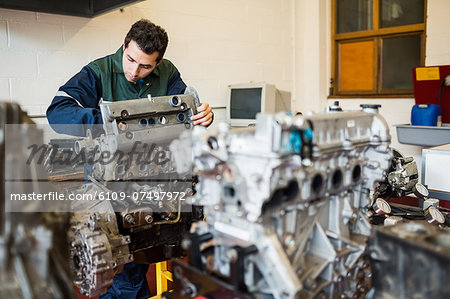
x,y
285,204
420,190
138,209
410,260
402,179
381,207
97,249
433,215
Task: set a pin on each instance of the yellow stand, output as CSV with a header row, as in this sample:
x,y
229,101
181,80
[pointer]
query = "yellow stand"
x,y
162,276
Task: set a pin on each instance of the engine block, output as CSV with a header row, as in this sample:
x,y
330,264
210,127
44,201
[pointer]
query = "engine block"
x,y
130,170
285,205
410,260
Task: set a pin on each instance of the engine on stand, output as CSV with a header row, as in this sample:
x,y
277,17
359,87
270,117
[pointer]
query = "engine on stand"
x,y
132,207
285,205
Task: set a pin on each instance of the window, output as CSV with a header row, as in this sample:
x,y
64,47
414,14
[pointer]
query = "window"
x,y
376,44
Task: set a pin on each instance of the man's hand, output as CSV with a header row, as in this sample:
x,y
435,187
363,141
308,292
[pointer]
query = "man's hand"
x,y
204,115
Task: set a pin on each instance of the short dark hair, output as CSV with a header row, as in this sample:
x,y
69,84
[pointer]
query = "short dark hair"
x,y
149,37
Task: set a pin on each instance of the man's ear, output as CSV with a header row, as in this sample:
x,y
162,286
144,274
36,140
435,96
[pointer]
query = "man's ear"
x,y
123,46
160,61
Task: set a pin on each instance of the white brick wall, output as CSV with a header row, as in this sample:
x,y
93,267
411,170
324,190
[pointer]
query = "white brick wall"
x,y
438,33
4,88
18,64
38,54
213,43
58,64
34,36
3,35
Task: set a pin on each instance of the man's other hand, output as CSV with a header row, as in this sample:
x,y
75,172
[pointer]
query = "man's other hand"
x,y
204,115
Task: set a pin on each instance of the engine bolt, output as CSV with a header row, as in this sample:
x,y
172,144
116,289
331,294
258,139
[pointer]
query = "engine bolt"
x,y
130,219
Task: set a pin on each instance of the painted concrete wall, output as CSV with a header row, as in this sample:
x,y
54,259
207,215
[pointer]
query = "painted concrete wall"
x,y
213,44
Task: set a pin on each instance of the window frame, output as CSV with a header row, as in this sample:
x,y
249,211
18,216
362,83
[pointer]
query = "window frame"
x,y
377,34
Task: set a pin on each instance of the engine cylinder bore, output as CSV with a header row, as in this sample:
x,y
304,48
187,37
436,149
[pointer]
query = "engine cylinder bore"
x,y
213,143
162,120
317,184
356,173
291,191
285,194
175,101
181,117
229,191
143,123
336,179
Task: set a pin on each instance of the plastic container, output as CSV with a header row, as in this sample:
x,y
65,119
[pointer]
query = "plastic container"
x,y
425,115
423,136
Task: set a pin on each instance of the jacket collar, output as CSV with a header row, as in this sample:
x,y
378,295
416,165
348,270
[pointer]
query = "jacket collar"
x,y
117,61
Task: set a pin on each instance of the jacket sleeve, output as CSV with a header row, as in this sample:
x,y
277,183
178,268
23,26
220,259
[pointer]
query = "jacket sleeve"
x,y
75,107
175,85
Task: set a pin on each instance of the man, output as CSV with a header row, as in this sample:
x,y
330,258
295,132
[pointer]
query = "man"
x,y
134,71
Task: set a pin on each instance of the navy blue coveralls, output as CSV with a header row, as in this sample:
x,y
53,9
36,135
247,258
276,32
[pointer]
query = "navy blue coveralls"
x,y
77,102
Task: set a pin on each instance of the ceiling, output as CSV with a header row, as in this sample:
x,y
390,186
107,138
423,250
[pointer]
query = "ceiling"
x,y
80,8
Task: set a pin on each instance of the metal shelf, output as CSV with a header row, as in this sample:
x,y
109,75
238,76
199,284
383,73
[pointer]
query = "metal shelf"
x,y
423,135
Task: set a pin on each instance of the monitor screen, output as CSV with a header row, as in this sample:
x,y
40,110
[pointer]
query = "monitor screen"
x,y
245,103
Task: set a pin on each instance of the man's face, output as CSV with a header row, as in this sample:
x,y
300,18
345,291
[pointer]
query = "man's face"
x,y
137,64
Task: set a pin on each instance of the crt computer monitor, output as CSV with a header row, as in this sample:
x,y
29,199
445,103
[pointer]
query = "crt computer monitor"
x,y
245,100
